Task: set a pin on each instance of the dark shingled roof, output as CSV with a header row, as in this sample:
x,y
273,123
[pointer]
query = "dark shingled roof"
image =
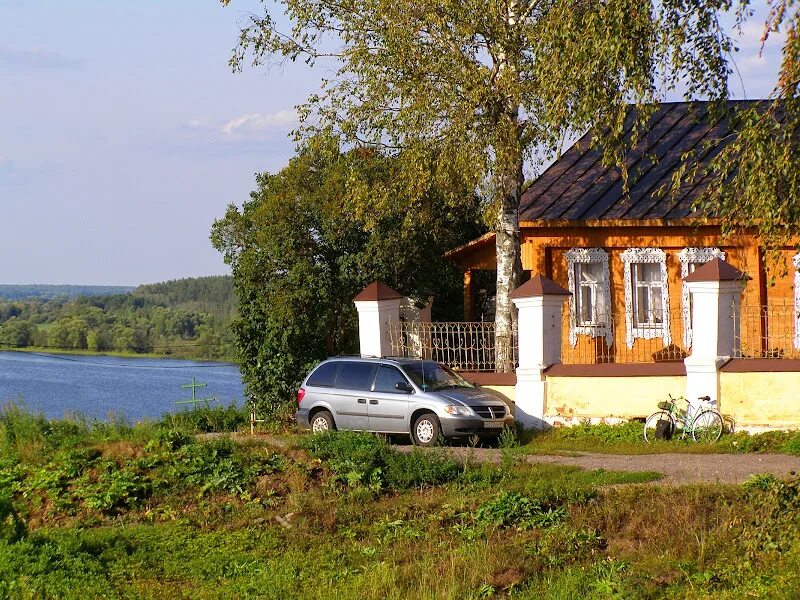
x,y
579,187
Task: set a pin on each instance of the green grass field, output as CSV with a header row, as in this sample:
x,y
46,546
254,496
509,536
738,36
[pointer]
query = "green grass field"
x,y
98,510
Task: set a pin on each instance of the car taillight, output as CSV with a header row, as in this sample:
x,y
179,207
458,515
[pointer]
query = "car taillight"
x,y
300,393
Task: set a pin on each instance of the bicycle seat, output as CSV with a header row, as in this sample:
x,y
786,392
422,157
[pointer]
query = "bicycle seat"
x,y
704,398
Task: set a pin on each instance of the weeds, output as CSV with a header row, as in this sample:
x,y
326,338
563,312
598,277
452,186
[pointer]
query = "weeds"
x,y
362,460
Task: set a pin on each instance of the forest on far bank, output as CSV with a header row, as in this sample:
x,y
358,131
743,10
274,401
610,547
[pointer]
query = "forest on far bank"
x,y
185,317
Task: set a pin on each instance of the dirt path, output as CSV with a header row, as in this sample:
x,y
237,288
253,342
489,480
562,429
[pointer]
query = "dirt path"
x,y
676,468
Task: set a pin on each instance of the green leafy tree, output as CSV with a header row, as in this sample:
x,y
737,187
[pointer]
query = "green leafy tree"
x,y
299,255
69,333
475,88
17,333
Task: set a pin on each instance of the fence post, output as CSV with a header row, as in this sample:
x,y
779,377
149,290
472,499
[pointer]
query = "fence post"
x,y
716,290
539,302
377,306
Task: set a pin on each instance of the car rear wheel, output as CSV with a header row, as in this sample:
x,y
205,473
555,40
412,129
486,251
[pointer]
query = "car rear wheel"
x,y
426,430
322,422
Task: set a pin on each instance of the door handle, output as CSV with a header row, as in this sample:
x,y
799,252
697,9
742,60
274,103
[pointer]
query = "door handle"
x,y
373,401
362,400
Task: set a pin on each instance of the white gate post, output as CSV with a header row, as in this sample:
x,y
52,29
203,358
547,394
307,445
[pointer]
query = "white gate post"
x,y
377,306
716,290
539,302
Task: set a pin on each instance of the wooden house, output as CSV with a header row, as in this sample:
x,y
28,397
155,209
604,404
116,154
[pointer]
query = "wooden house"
x,y
624,256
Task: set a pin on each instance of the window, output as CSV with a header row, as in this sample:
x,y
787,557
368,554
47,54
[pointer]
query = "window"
x,y
590,302
691,259
387,378
324,375
646,295
355,375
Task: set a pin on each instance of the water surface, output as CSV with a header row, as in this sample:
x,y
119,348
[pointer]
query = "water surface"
x,y
105,386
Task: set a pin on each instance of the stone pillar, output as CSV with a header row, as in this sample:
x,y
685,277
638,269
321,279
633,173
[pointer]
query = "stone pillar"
x,y
377,306
716,290
539,304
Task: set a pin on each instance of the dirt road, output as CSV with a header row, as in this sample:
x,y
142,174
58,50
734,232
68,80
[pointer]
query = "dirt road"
x,y
676,468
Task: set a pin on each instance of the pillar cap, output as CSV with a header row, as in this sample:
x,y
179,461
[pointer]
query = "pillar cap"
x,y
716,270
539,285
377,290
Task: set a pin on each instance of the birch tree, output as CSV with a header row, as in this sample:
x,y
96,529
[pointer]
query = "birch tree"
x,y
487,89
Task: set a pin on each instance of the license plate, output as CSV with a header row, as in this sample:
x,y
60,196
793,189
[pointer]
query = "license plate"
x,y
493,424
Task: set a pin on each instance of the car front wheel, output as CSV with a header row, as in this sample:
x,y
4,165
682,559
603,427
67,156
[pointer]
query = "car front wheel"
x,y
426,430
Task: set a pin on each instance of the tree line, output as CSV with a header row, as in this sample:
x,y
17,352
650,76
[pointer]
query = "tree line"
x,y
188,318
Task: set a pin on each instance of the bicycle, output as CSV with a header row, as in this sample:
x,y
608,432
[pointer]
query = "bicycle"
x,y
705,423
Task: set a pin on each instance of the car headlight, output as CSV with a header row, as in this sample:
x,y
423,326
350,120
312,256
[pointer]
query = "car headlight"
x,y
457,410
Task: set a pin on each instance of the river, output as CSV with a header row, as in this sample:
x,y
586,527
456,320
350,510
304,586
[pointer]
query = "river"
x,y
106,387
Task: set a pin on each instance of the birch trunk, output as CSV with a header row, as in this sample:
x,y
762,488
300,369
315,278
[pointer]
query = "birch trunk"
x,y
509,265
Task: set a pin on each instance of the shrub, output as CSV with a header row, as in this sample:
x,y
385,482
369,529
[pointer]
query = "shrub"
x,y
512,509
12,527
363,459
208,419
115,488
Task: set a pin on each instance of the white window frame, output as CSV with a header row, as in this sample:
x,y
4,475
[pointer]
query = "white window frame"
x,y
796,261
689,256
633,256
603,327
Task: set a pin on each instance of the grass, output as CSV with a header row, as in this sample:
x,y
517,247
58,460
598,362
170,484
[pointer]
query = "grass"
x,y
627,438
115,353
148,511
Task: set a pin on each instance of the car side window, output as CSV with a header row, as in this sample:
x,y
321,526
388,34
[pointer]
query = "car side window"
x,y
324,375
355,375
387,378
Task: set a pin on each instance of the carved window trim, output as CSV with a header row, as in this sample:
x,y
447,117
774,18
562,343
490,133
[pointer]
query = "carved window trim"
x,y
603,327
688,256
796,261
637,256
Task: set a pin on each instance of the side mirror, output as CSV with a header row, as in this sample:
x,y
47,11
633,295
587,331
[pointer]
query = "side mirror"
x,y
402,386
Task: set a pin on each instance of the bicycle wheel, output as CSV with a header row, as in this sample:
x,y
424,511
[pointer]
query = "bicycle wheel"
x,y
707,426
652,420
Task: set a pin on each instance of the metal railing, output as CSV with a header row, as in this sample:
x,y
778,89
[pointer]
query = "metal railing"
x,y
466,346
607,340
766,331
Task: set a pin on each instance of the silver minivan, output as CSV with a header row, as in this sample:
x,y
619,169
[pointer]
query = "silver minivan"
x,y
422,398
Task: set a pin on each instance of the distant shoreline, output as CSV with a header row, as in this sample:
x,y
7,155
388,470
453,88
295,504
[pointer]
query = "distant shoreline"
x,y
112,353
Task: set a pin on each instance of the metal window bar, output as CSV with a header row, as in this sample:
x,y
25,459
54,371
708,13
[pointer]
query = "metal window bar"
x,y
465,346
766,331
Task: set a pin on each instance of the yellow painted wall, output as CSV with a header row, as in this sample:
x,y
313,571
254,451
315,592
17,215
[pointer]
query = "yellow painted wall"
x,y
507,393
761,399
603,397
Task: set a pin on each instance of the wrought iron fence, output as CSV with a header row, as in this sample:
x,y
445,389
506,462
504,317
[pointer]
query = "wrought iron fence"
x,y
467,346
766,331
606,339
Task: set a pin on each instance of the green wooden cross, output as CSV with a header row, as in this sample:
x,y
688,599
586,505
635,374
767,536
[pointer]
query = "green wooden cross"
x,y
194,385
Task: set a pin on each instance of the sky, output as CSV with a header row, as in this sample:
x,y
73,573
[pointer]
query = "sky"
x,y
124,134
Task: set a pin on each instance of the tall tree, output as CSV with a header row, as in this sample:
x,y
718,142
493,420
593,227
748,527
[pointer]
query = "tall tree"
x,y
482,87
753,180
299,253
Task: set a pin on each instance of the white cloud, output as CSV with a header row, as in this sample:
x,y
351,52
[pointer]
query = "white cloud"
x,y
249,123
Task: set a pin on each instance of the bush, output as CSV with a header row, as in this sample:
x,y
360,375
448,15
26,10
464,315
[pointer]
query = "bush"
x,y
512,509
205,419
363,459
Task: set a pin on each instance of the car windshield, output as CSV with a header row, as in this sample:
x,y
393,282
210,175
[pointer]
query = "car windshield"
x,y
431,376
